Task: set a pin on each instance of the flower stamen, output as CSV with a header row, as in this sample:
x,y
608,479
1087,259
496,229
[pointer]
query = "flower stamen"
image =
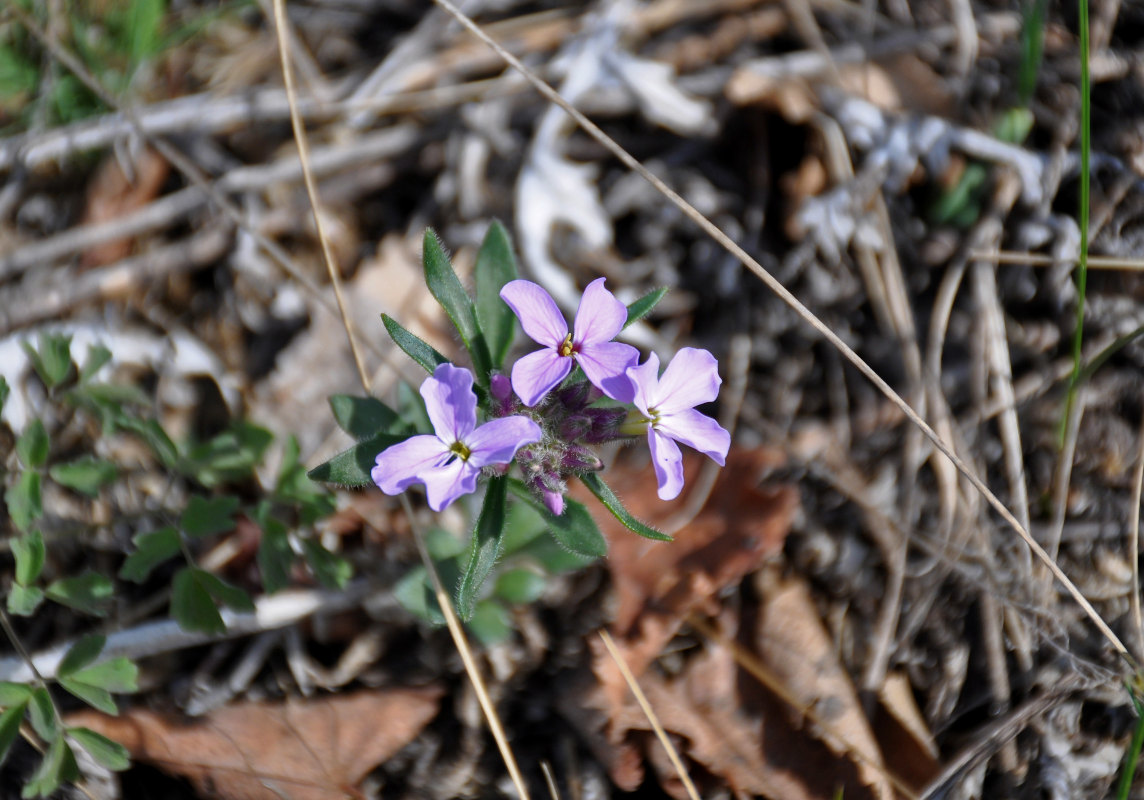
x,y
566,347
461,450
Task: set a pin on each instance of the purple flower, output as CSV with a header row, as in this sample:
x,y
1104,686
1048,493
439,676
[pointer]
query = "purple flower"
x,y
666,408
449,462
600,317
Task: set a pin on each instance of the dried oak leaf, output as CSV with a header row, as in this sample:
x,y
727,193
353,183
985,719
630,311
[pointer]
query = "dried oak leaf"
x,y
316,749
793,642
658,584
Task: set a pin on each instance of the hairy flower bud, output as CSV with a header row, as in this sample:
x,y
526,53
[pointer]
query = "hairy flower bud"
x,y
574,397
575,426
578,458
605,424
554,501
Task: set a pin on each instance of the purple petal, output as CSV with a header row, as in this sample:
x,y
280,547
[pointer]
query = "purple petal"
x,y
537,373
668,462
400,465
537,312
497,441
450,402
605,365
697,431
600,315
445,484
645,383
691,379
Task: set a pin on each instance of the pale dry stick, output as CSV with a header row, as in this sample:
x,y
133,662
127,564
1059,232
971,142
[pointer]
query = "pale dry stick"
x,y
1041,260
1134,545
455,630
754,666
712,230
738,365
187,168
284,41
549,779
462,643
649,712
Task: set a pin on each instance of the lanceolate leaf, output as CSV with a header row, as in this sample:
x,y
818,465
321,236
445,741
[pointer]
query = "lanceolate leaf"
x,y
414,346
24,500
496,266
95,696
118,674
444,285
192,607
33,445
485,547
10,727
574,530
352,467
642,307
23,600
85,475
43,714
606,496
362,417
57,767
206,516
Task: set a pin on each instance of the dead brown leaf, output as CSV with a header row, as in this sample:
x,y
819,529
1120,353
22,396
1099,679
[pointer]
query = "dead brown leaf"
x,y
793,642
112,194
317,749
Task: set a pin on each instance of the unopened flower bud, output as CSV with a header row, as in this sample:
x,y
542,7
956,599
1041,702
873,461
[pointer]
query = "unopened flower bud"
x,y
574,397
500,387
554,501
605,424
580,459
575,426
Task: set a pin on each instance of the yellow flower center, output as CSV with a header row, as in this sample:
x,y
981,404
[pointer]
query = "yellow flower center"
x,y
635,423
566,349
459,448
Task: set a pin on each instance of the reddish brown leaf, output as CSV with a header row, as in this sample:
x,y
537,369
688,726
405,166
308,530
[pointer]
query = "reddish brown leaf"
x,y
318,749
111,195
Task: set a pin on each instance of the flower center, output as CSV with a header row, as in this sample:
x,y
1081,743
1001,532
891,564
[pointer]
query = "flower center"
x,y
460,450
566,348
636,423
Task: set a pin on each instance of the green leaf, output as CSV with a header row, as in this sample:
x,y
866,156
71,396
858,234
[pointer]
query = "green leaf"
x,y
226,593
4,391
574,530
331,570
414,346
24,600
144,24
520,586
10,728
490,623
444,285
293,486
606,496
207,516
81,654
28,551
24,500
496,266
95,696
362,417
416,596
153,435
352,467
441,544
14,694
642,307
411,407
485,547
111,755
192,606
97,356
52,360
85,475
275,556
117,674
43,714
89,592
57,767
231,456
151,550
33,445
